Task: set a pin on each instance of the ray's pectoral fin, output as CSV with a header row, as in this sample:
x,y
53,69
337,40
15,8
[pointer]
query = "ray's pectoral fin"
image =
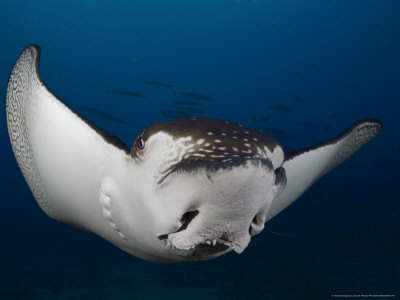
x,y
303,167
62,156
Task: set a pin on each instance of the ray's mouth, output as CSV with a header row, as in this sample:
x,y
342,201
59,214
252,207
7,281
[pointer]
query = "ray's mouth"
x,y
202,249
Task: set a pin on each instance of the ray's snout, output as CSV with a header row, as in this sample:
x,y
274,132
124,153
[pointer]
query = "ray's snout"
x,y
229,211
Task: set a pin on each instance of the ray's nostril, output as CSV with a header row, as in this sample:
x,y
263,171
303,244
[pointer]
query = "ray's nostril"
x,y
254,222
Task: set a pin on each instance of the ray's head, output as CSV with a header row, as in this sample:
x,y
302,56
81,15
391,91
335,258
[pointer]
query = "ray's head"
x,y
213,180
171,145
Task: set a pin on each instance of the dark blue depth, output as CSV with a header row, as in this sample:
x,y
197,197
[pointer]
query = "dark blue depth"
x,y
302,70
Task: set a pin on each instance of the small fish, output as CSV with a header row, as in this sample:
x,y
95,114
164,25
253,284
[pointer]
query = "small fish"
x,y
379,149
111,118
261,119
155,83
126,93
388,164
189,109
187,103
193,96
297,98
92,111
289,148
265,118
305,124
279,133
317,141
174,114
280,107
100,114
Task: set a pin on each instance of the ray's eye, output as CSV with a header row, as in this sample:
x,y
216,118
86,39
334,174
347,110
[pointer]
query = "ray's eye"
x,y
140,143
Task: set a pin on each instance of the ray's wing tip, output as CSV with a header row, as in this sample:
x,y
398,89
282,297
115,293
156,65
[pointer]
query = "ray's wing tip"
x,y
377,122
26,63
375,126
28,60
32,50
35,47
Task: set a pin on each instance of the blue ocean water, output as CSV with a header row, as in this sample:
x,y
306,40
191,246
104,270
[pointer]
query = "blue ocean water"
x,y
326,63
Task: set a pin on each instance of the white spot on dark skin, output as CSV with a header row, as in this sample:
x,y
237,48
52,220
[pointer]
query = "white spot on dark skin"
x,y
209,133
218,141
247,151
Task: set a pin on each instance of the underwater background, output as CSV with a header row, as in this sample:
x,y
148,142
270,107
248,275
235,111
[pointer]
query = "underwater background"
x,y
302,71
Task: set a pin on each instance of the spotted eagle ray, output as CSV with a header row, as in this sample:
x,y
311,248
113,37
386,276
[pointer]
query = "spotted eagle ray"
x,y
126,93
188,189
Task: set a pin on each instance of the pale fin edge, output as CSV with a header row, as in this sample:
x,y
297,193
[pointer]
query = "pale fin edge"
x,y
21,99
305,166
